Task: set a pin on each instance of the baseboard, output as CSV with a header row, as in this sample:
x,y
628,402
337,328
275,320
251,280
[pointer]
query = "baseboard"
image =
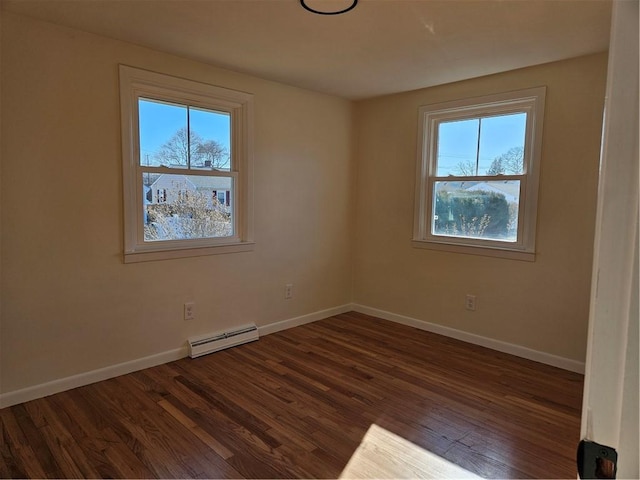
x,y
87,378
56,386
304,319
500,346
60,385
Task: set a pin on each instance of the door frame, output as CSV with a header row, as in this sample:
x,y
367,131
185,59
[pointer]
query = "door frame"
x,y
610,401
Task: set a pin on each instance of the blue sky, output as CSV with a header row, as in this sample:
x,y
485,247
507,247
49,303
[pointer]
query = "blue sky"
x,y
159,121
458,141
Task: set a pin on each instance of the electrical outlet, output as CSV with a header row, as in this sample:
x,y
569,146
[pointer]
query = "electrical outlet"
x,y
190,311
470,302
288,291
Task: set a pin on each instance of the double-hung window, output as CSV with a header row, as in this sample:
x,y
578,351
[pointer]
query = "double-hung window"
x,y
186,167
478,167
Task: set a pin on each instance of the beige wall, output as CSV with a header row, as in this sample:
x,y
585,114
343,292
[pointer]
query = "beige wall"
x,y
69,304
541,305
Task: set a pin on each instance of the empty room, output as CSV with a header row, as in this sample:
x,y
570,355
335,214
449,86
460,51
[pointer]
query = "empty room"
x,y
319,239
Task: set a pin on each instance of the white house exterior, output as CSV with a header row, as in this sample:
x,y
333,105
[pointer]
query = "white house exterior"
x,y
168,187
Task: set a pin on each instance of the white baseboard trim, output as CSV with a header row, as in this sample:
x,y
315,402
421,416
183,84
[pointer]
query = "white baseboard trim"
x,y
87,378
500,346
304,319
56,386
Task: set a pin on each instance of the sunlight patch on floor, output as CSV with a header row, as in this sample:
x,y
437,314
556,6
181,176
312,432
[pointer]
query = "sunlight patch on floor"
x,y
383,454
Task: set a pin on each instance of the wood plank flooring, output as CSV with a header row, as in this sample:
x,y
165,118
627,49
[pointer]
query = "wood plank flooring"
x,y
296,404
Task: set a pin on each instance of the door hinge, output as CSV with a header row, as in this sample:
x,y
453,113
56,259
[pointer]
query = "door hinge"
x,y
596,461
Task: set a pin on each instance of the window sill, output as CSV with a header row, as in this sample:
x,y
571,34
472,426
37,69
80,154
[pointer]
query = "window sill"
x,y
476,250
137,257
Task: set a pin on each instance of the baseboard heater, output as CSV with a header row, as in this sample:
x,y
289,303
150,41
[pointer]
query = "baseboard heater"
x,y
205,344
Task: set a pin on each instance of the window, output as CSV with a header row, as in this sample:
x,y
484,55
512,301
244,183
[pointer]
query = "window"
x,y
478,167
184,143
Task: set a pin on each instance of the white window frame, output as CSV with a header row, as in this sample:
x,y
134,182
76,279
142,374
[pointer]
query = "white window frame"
x,y
529,101
136,83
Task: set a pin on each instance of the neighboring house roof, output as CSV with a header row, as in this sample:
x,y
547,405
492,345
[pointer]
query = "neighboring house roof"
x,y
511,190
211,183
150,178
197,182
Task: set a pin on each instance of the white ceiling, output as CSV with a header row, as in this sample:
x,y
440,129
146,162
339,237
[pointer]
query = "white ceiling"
x,y
380,47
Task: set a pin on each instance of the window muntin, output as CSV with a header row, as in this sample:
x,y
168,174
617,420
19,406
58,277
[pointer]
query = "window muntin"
x,y
478,168
186,159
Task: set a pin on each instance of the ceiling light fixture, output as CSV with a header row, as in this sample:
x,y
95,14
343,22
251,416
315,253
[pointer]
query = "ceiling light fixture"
x,y
320,12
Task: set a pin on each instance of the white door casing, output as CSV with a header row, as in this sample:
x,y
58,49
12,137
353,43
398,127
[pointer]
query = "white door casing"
x,y
610,403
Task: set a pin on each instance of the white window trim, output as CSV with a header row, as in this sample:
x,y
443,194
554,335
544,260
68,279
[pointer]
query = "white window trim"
x,y
136,83
531,101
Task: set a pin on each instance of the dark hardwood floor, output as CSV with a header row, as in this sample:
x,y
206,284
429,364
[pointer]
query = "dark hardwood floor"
x,y
297,404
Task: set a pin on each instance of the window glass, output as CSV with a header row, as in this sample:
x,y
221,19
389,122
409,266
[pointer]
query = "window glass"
x,y
178,207
501,146
486,209
481,146
181,136
457,147
210,147
163,140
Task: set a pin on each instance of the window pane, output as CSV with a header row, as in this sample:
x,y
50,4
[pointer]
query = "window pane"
x,y
487,210
163,133
211,139
502,144
178,207
457,147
